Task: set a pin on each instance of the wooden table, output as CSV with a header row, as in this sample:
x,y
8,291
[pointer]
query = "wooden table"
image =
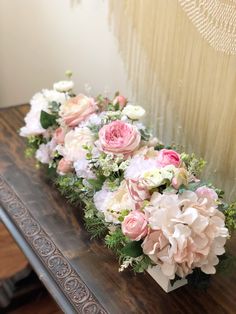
x,y
80,274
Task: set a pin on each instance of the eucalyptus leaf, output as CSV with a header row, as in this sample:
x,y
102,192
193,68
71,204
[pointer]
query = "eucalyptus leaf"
x,y
47,119
132,249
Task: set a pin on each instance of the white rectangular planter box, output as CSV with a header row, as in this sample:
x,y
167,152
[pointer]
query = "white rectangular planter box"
x,y
164,281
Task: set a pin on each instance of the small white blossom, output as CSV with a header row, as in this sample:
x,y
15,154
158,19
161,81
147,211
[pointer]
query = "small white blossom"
x,y
63,86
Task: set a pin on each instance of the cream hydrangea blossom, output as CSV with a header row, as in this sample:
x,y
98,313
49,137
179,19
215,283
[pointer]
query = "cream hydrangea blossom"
x,y
113,203
187,232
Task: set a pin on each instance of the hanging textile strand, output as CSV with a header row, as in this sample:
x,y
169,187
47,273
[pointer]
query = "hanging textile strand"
x,y
187,86
215,20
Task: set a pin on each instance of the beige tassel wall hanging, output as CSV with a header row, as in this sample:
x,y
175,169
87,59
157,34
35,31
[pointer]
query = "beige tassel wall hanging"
x,y
181,62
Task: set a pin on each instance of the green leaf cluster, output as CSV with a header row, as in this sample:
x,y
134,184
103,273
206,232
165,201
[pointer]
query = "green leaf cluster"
x,y
132,249
54,108
141,264
96,226
230,217
145,134
47,119
194,165
116,240
33,143
71,187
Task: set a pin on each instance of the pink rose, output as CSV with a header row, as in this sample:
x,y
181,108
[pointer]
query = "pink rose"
x,y
155,245
134,225
64,166
119,137
59,136
121,100
168,157
77,109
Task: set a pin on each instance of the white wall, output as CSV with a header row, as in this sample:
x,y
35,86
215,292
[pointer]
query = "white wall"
x,y
40,39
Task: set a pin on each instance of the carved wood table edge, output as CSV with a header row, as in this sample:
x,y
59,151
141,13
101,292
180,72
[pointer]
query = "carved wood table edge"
x,y
66,286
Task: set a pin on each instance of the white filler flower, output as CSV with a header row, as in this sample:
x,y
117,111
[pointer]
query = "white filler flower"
x,y
63,86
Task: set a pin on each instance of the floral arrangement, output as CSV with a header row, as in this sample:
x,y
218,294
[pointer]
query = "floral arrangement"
x,y
145,199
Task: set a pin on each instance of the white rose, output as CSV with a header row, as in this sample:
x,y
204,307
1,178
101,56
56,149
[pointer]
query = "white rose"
x,y
133,112
63,86
75,140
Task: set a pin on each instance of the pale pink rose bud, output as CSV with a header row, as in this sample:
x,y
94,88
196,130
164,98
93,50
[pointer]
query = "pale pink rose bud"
x,y
119,137
168,157
77,109
121,100
181,178
135,226
59,136
64,166
153,142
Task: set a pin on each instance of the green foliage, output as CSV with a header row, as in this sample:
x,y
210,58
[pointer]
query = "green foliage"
x,y
230,217
71,187
116,240
51,172
97,183
145,134
159,146
227,264
54,108
33,143
191,186
141,264
132,249
96,226
47,119
194,165
94,220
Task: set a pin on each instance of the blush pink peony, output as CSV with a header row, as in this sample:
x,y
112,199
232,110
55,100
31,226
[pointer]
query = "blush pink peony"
x,y
134,225
59,135
77,109
73,148
168,157
119,137
64,166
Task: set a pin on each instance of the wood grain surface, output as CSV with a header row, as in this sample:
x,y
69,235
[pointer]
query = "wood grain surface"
x,y
95,264
12,260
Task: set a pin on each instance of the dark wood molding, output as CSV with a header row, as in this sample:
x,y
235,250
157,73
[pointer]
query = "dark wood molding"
x,y
75,296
